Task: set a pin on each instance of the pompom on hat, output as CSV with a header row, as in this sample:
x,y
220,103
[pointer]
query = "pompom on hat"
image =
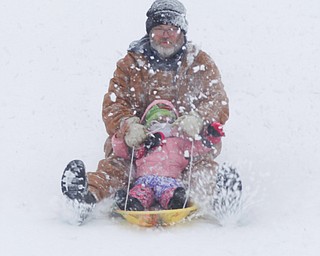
x,y
165,12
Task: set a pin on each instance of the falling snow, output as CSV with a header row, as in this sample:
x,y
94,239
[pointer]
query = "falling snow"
x,y
56,59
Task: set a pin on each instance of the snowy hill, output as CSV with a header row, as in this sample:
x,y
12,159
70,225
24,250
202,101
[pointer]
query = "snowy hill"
x,y
56,58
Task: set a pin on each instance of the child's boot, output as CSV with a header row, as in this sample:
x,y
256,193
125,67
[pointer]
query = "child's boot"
x,y
173,198
133,204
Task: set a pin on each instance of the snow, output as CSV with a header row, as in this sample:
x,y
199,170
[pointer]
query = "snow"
x,y
167,5
56,58
176,9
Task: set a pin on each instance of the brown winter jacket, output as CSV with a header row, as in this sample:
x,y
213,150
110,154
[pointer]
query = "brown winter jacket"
x,y
195,85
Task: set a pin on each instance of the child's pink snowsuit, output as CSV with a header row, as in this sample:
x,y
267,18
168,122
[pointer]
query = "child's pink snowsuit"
x,y
167,160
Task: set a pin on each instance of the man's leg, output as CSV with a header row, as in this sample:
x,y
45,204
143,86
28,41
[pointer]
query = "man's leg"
x,y
111,175
203,180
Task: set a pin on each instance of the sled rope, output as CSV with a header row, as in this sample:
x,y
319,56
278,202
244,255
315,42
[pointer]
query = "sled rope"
x,y
190,173
129,179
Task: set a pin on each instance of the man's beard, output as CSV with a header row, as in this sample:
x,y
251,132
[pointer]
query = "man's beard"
x,y
166,52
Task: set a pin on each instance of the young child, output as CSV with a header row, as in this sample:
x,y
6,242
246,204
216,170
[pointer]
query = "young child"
x,y
161,160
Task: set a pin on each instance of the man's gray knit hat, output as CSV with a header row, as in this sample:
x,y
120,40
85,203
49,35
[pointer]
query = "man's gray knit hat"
x,y
164,12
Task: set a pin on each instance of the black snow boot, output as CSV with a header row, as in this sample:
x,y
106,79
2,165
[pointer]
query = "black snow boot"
x,y
227,193
133,203
74,183
74,186
178,199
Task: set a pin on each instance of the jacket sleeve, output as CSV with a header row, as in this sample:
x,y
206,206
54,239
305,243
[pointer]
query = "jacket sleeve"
x,y
212,101
117,103
119,147
198,147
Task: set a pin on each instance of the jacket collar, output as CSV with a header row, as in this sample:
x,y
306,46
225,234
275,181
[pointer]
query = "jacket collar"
x,y
143,46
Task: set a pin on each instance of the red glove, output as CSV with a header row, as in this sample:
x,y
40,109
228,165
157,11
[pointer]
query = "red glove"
x,y
213,134
215,129
152,141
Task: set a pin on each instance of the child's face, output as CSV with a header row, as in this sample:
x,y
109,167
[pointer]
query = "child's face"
x,y
162,120
162,124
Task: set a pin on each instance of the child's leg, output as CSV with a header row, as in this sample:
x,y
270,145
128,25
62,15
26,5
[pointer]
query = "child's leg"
x,y
140,198
143,193
170,193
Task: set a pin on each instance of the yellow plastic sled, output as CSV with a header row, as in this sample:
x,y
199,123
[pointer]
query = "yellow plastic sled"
x,y
157,218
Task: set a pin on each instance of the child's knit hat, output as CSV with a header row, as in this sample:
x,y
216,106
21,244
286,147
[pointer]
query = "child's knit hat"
x,y
159,111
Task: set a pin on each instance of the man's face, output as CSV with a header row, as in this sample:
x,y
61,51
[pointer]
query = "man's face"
x,y
167,40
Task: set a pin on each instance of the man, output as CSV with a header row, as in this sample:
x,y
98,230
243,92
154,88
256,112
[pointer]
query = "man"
x,y
161,65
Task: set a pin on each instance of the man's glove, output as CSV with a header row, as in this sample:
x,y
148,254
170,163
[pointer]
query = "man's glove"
x,y
135,133
191,124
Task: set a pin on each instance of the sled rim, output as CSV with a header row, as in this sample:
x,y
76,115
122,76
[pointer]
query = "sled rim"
x,y
189,208
157,217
